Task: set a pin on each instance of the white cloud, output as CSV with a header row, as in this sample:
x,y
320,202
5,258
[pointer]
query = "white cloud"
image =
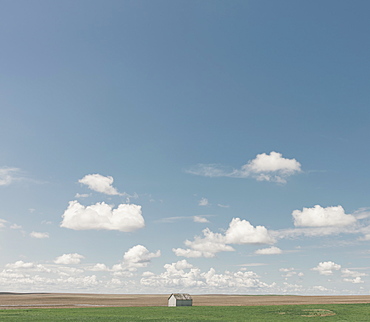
x,y
139,256
2,223
285,270
319,221
242,232
200,219
313,232
99,268
68,259
239,232
211,170
172,219
320,288
68,271
326,268
320,217
8,175
136,257
269,251
361,213
190,253
20,265
271,167
356,280
13,226
126,217
252,265
366,231
289,272
184,275
35,234
100,183
147,274
203,202
348,273
82,195
265,167
207,246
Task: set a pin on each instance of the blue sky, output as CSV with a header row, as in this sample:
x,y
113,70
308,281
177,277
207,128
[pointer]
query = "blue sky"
x,y
198,146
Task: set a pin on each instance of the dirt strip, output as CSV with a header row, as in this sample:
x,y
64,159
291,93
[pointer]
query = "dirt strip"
x,y
64,300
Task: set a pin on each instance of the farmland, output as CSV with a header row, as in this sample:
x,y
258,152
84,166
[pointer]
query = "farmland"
x,y
72,300
93,307
328,312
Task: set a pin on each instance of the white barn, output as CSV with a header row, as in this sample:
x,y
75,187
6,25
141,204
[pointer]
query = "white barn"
x,y
180,299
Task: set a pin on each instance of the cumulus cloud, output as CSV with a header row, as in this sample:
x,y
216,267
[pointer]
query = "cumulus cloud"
x,y
203,202
139,256
136,257
320,288
25,282
206,246
8,175
182,274
68,259
19,265
352,276
356,280
269,251
99,268
271,167
289,272
99,183
35,234
2,223
320,217
326,268
126,217
320,221
365,230
200,219
265,167
242,232
190,253
239,232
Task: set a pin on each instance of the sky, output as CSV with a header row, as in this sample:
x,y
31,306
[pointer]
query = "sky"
x,y
185,146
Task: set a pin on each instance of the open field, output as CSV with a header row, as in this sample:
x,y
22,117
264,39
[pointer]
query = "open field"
x,y
64,300
99,307
323,312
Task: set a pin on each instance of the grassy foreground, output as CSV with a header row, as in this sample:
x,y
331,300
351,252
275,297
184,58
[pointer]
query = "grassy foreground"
x,y
327,312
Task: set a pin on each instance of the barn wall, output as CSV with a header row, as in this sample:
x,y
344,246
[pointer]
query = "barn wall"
x,y
184,302
172,301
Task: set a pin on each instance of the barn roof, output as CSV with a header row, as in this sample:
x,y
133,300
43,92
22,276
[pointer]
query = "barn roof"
x,y
181,296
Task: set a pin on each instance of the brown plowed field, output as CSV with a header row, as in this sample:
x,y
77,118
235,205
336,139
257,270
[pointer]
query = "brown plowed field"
x,y
64,300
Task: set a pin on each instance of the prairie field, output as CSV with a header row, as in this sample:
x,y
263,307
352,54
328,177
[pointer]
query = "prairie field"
x,y
321,312
98,307
73,300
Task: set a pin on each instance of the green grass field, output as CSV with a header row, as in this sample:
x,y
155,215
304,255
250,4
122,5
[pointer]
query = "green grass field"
x,y
329,312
